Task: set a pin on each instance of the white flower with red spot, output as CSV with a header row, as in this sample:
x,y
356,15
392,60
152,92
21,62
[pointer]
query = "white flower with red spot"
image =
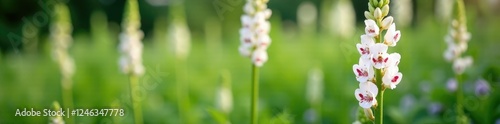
x,y
392,35
392,77
366,94
371,28
254,34
393,60
259,57
460,64
364,46
379,55
363,71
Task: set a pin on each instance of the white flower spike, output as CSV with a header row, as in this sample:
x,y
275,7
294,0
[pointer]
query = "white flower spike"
x,y
254,34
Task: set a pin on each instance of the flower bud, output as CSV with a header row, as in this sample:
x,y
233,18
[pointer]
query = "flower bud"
x,y
385,10
368,15
369,114
370,7
387,22
377,13
374,2
380,3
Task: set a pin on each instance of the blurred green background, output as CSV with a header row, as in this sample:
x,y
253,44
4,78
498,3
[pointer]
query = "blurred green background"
x,y
29,78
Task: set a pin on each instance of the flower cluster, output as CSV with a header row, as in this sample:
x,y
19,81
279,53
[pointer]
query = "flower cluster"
x,y
254,35
130,41
60,33
374,57
457,40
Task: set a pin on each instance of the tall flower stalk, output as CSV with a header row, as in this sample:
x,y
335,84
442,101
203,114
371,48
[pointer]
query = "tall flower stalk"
x,y
254,37
180,38
61,36
457,40
131,50
377,70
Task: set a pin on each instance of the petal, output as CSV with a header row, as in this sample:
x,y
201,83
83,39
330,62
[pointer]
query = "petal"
x,y
394,59
358,94
259,57
370,87
377,13
365,104
263,41
360,48
367,40
387,22
244,50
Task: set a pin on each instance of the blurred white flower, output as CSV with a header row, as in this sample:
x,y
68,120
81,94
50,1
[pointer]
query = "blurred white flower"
x,y
314,87
248,8
460,64
259,57
371,28
180,38
403,11
366,94
457,39
60,34
130,41
224,99
444,10
343,18
392,35
254,34
131,50
306,15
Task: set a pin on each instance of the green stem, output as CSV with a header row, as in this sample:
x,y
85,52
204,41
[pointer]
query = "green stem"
x,y
381,95
379,82
67,97
136,104
459,92
183,102
255,94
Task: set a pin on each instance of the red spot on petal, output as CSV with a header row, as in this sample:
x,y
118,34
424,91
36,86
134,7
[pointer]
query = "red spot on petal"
x,y
385,60
394,79
365,98
364,51
371,31
396,36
